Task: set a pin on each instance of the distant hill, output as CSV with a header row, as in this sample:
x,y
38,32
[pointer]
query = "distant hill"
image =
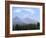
x,y
26,20
29,21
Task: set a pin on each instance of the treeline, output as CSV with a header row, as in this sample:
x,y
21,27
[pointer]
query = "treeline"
x,y
26,26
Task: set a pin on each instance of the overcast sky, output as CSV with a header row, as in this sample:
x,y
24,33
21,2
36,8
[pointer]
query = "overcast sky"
x,y
32,13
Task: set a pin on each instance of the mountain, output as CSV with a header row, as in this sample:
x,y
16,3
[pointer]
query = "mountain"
x,y
26,20
29,21
17,20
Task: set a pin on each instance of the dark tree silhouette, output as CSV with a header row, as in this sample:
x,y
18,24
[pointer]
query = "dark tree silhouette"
x,y
26,26
38,25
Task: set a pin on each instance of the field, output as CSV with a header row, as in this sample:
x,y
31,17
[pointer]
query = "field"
x,y
26,27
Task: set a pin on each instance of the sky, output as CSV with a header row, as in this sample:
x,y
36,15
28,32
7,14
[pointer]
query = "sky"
x,y
25,12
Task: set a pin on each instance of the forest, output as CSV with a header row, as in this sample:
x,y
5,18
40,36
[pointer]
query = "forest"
x,y
26,27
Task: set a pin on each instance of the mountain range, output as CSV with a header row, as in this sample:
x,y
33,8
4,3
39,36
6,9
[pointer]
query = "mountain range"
x,y
17,20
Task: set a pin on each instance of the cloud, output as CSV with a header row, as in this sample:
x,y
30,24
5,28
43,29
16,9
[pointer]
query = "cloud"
x,y
29,13
17,11
26,12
